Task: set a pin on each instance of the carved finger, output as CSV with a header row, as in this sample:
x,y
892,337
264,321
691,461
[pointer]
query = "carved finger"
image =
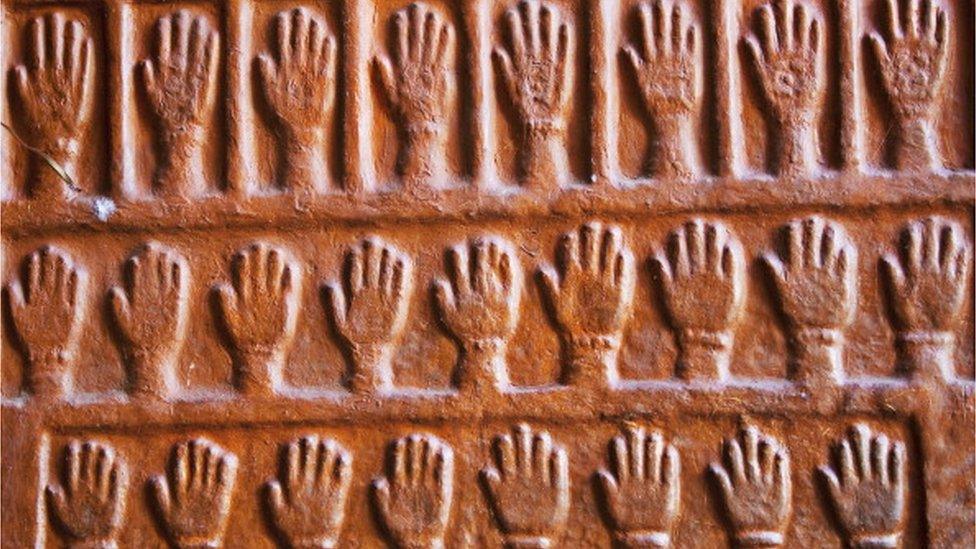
x,y
833,484
816,36
118,484
445,50
37,52
55,31
787,11
590,234
415,32
541,452
196,52
564,63
459,271
894,19
611,248
678,251
559,477
621,456
299,42
861,439
680,23
431,38
781,476
880,450
73,474
522,436
183,21
768,30
913,19
724,482
503,64
751,438
846,462
671,468
646,15
505,455
735,461
531,27
549,32
121,309
161,495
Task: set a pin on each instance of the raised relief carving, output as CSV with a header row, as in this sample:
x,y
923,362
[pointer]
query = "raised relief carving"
x,y
151,313
591,299
370,309
786,54
867,488
259,311
179,82
419,84
48,310
642,489
414,502
927,285
52,94
308,502
912,58
298,82
756,488
89,506
816,283
536,71
194,499
480,307
666,71
528,487
703,287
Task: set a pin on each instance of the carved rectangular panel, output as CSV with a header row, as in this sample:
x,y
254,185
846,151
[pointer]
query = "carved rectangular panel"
x,y
358,273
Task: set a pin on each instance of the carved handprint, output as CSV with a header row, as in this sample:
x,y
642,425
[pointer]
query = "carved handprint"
x,y
53,92
591,298
194,500
308,503
419,85
260,312
480,306
868,488
642,492
703,287
528,487
669,82
787,57
90,504
816,282
298,82
48,317
415,501
370,310
927,288
151,313
756,488
180,82
913,65
537,71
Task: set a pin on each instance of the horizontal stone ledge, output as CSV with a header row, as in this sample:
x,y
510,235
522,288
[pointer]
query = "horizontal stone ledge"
x,y
549,404
644,197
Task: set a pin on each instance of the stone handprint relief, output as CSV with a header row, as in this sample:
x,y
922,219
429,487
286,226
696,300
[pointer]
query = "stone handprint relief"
x,y
528,487
816,285
665,65
912,55
369,310
591,298
193,500
151,311
642,488
702,272
418,82
414,500
927,285
308,501
786,54
179,84
259,311
480,307
89,505
52,96
535,68
298,83
867,488
48,312
756,488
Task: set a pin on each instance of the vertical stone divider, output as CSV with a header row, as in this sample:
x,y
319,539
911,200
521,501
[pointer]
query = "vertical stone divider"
x,y
604,89
728,86
26,458
851,86
476,18
357,37
119,67
239,145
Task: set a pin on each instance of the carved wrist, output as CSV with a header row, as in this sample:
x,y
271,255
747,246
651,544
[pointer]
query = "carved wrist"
x,y
704,354
48,372
371,367
515,541
592,359
182,143
644,539
259,369
544,129
818,337
876,541
759,538
928,353
436,543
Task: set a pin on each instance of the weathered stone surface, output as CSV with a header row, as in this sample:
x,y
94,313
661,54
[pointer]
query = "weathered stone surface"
x,y
473,274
